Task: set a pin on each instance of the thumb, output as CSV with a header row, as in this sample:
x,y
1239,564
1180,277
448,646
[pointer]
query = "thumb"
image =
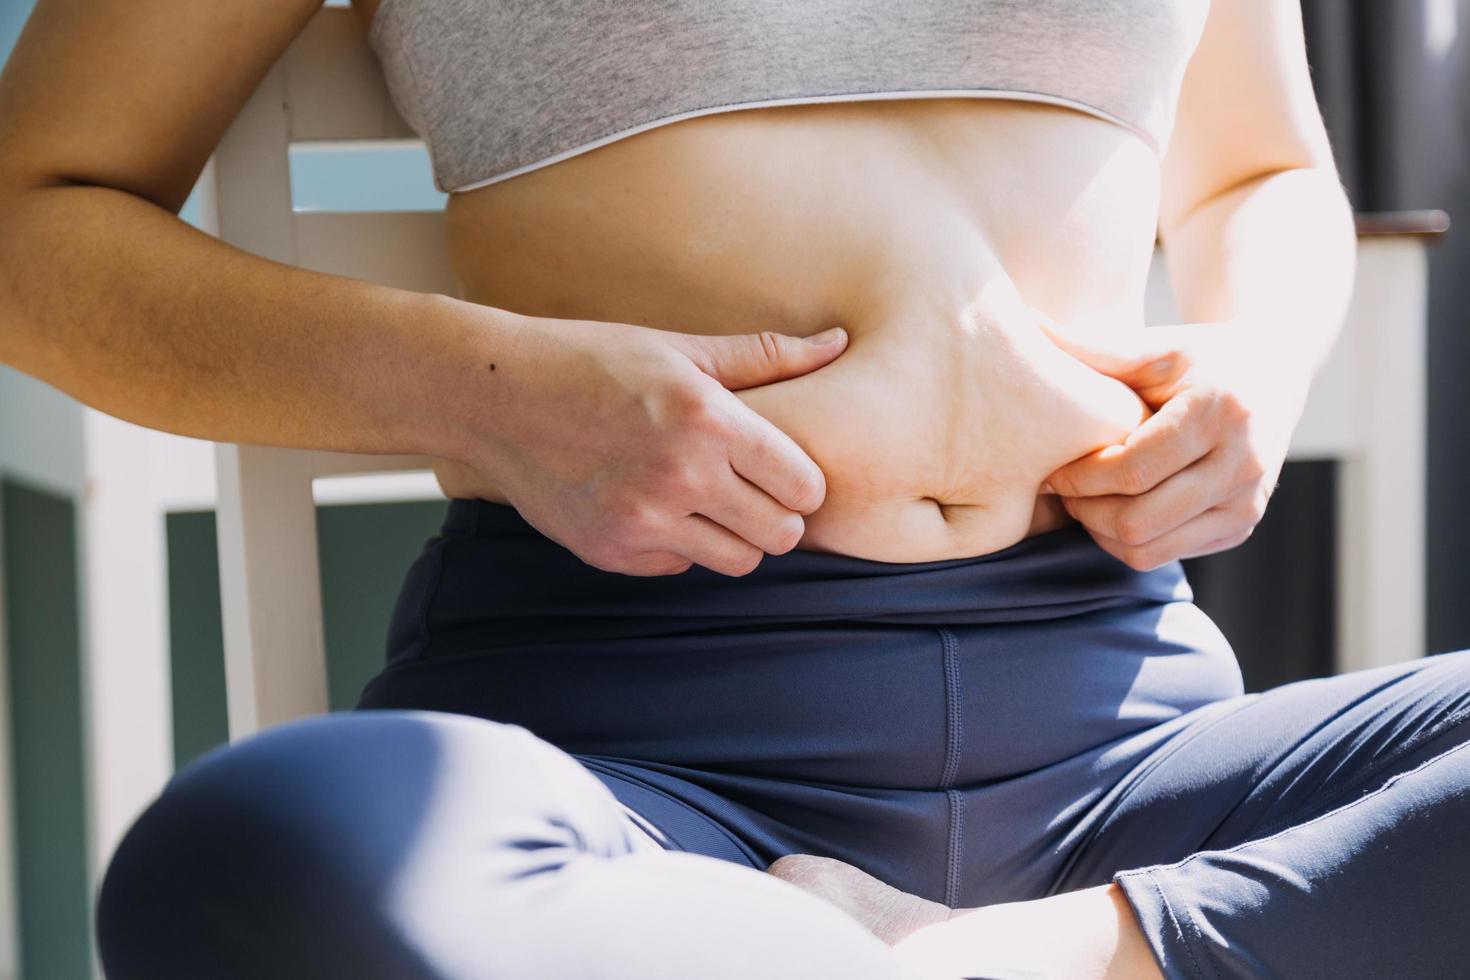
x,y
753,359
1141,359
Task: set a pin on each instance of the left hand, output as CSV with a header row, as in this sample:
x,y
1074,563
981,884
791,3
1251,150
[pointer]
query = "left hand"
x,y
1195,477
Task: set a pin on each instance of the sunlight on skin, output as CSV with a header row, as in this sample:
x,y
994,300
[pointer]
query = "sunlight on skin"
x,y
1090,934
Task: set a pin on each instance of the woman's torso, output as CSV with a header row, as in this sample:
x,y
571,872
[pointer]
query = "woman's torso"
x,y
937,231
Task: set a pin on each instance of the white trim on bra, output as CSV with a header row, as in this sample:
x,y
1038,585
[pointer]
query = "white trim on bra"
x,y
1018,96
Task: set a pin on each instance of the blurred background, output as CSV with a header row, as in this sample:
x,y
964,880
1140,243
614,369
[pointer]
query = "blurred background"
x,y
93,718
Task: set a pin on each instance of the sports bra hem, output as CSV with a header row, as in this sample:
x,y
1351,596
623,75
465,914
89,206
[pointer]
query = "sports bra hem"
x,y
876,96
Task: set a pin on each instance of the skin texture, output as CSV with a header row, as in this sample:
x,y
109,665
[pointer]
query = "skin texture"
x,y
987,260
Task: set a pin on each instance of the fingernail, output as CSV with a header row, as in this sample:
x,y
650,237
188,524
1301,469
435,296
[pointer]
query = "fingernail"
x,y
835,335
1161,368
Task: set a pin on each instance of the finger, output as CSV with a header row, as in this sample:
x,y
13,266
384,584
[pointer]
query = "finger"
x,y
754,515
753,359
1141,358
647,563
1215,530
706,543
773,462
1164,444
1179,499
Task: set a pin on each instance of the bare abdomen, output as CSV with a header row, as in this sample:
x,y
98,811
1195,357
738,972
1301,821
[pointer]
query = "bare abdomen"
x,y
932,230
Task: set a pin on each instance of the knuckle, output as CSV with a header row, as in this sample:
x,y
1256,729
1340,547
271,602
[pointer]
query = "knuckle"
x,y
1252,468
677,477
737,564
605,559
1136,479
1139,559
1177,357
659,565
771,346
1233,410
787,536
808,489
1255,508
626,517
654,563
693,409
1131,529
674,565
746,563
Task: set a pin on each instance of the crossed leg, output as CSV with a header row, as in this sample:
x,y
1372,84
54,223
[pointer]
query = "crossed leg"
x,y
398,845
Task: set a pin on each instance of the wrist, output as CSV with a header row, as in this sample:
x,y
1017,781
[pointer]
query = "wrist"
x,y
1270,359
461,406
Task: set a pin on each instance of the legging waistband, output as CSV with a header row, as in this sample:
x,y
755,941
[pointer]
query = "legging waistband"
x,y
525,575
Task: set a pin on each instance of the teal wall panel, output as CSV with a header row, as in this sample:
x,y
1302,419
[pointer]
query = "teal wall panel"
x,y
365,550
43,641
196,638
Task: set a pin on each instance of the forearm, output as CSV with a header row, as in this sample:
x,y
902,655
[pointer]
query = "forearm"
x,y
1276,253
129,309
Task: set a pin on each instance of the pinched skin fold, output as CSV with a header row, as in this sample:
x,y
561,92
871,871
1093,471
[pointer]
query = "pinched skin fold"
x,y
935,434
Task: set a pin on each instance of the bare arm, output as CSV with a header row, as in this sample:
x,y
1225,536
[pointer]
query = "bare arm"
x,y
1255,226
1259,241
109,110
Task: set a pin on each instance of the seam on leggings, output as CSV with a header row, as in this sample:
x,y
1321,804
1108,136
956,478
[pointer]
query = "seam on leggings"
x,y
954,725
952,859
1332,799
953,738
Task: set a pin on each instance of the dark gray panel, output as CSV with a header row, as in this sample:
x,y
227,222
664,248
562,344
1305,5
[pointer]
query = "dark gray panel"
x,y
365,551
44,644
196,637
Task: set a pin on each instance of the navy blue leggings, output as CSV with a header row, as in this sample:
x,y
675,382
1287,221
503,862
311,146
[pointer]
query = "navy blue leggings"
x,y
568,773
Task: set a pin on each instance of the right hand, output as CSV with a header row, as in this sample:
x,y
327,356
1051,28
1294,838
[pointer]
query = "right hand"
x,y
625,445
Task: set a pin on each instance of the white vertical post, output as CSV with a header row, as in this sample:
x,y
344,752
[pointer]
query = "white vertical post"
x,y
126,691
275,652
1381,512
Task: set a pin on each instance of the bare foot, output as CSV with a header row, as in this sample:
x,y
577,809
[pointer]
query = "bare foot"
x,y
1089,934
888,913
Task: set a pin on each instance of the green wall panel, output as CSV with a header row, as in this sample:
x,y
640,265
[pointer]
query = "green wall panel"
x,y
365,550
43,642
196,638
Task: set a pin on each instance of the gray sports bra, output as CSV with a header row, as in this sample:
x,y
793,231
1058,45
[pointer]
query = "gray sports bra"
x,y
497,88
